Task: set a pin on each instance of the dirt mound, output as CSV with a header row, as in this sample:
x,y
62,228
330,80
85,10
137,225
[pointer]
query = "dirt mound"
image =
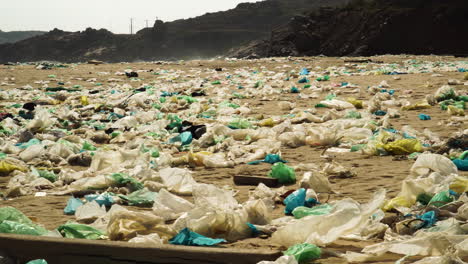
x,y
371,27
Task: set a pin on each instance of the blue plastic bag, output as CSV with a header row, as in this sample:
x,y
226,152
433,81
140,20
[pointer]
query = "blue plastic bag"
x,y
294,200
72,204
102,199
269,158
190,238
429,219
424,117
303,80
185,138
304,71
461,164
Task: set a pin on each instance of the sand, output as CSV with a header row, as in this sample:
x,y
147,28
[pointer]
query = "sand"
x,y
373,172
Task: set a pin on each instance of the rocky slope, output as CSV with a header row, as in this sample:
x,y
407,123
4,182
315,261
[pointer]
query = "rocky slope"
x,y
202,37
369,27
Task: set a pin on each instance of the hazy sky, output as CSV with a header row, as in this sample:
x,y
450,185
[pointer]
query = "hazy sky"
x,y
74,15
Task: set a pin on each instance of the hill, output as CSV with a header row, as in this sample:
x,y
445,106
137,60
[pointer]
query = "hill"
x,y
370,27
201,37
14,36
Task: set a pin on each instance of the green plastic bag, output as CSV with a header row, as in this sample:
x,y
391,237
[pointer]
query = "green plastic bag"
x,y
49,175
122,179
441,199
304,252
13,221
302,211
37,261
239,123
74,230
140,198
88,146
283,173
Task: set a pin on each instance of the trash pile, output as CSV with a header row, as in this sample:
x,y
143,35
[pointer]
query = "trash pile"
x,y
135,138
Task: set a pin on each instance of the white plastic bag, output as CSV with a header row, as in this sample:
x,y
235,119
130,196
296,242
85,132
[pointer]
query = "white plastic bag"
x,y
178,180
170,206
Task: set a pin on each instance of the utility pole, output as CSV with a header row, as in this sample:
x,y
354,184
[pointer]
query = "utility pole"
x,y
146,23
131,26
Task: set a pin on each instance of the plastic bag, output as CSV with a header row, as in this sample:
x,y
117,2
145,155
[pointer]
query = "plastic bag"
x,y
460,184
442,198
304,252
281,260
178,180
433,162
302,211
152,239
461,164
89,212
6,168
125,225
102,199
294,200
316,181
72,204
185,138
357,103
170,206
13,221
269,158
122,179
37,261
283,173
240,124
142,197
74,230
208,196
403,146
346,217
189,238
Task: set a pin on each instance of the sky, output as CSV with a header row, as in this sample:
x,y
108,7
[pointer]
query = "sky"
x,y
114,15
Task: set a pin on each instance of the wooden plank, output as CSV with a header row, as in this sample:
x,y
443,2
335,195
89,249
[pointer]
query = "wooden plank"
x,y
255,180
75,251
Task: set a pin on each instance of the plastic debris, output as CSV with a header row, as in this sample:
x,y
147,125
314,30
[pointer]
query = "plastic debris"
x,y
190,238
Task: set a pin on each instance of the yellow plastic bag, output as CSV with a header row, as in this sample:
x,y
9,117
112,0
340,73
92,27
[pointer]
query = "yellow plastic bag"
x,y
459,185
418,106
357,103
396,202
267,123
197,159
6,168
403,146
84,100
452,110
